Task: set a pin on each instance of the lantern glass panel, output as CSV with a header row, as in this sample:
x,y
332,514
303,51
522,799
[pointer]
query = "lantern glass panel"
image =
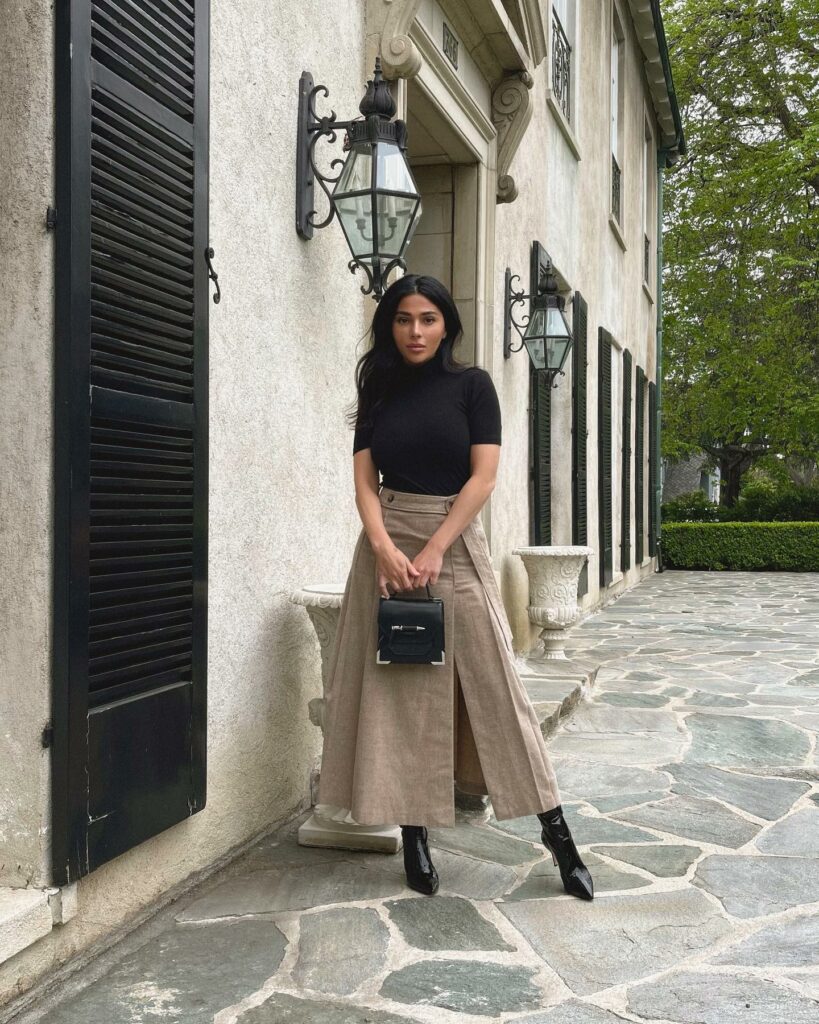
x,y
356,174
395,218
355,215
547,338
392,172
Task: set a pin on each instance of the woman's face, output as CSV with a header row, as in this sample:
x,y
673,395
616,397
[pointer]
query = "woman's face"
x,y
418,329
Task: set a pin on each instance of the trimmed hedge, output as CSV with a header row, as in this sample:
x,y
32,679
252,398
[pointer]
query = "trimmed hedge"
x,y
792,547
757,503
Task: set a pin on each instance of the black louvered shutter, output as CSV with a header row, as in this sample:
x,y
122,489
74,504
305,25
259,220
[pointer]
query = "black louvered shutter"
x,y
131,392
542,456
580,533
540,404
652,469
639,461
604,456
625,518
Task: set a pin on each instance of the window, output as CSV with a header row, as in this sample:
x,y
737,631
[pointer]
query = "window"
x,y
562,35
579,435
563,93
639,463
649,186
653,520
604,457
616,114
625,500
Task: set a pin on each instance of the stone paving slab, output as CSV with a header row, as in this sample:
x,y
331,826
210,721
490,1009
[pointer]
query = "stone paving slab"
x,y
187,973
665,861
690,781
697,997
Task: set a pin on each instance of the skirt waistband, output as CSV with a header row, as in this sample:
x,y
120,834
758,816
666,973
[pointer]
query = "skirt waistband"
x,y
416,502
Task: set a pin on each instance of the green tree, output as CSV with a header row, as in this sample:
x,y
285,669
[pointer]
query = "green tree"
x,y
741,282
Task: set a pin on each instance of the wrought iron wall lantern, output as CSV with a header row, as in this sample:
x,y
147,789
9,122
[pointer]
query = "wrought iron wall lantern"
x,y
374,196
544,332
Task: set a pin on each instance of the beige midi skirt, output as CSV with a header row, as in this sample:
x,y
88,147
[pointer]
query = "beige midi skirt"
x,y
397,737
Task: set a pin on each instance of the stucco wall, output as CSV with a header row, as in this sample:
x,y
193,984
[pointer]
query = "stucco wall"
x,y
26,136
283,344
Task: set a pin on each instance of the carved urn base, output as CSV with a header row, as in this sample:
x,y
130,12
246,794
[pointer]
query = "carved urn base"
x,y
553,575
333,826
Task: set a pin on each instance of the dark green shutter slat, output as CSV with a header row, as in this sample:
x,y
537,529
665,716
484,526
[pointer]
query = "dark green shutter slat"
x,y
542,452
131,471
639,460
604,473
579,429
652,469
625,518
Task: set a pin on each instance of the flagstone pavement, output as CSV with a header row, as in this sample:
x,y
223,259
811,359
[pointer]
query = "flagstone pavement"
x,y
689,778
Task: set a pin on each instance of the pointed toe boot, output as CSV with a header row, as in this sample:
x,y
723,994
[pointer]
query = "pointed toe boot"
x,y
421,873
558,841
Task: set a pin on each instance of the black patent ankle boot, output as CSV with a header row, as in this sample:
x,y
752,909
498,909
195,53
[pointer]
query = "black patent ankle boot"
x,y
558,841
421,873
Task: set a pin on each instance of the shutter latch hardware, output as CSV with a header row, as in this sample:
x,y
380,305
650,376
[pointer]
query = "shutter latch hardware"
x,y
212,273
51,219
47,737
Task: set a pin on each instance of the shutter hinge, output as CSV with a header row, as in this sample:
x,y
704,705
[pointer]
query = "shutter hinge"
x,y
51,218
47,737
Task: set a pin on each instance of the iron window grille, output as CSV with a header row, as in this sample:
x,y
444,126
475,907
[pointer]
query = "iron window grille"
x,y
615,188
561,66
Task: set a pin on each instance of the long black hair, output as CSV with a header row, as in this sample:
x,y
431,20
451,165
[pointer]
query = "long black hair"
x,y
381,370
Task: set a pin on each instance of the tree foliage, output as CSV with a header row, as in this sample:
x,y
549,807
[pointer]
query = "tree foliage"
x,y
741,239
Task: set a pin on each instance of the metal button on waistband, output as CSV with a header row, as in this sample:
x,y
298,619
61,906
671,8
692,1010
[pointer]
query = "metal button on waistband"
x,y
390,497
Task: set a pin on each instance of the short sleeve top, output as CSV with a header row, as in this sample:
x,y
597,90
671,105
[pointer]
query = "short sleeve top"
x,y
421,438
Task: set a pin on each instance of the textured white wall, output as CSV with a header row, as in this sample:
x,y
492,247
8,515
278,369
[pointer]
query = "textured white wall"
x,y
26,133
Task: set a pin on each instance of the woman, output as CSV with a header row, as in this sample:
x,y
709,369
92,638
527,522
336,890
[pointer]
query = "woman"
x,y
397,736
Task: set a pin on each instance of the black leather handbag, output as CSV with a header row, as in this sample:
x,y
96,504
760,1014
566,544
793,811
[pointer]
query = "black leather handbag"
x,y
410,630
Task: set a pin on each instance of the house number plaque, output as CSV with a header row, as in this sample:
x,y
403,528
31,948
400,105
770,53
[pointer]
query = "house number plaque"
x,y
450,46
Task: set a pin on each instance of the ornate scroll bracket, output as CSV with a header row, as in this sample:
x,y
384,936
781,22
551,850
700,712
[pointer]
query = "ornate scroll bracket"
x,y
389,21
511,113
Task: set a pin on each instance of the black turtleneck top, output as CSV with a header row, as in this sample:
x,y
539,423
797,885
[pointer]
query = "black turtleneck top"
x,y
422,434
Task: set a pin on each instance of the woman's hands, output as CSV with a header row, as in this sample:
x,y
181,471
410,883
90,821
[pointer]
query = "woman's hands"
x,y
392,566
428,562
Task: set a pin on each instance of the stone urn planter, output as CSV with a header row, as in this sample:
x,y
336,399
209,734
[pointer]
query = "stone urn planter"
x,y
333,826
553,576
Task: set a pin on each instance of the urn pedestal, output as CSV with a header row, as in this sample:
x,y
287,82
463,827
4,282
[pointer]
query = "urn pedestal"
x,y
327,825
553,576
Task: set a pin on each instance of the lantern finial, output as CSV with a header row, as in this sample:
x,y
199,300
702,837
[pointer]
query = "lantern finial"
x,y
378,98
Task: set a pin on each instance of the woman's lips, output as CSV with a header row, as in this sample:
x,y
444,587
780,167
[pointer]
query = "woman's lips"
x,y
415,348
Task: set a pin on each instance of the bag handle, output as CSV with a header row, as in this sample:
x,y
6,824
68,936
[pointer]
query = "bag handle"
x,y
429,595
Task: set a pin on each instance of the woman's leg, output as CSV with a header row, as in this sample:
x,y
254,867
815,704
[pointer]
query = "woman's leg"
x,y
557,839
421,873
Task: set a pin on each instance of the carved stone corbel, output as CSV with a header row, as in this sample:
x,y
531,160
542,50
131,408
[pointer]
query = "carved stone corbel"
x,y
389,21
511,112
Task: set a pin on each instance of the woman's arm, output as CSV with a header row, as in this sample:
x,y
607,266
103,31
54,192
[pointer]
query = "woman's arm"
x,y
483,459
392,565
